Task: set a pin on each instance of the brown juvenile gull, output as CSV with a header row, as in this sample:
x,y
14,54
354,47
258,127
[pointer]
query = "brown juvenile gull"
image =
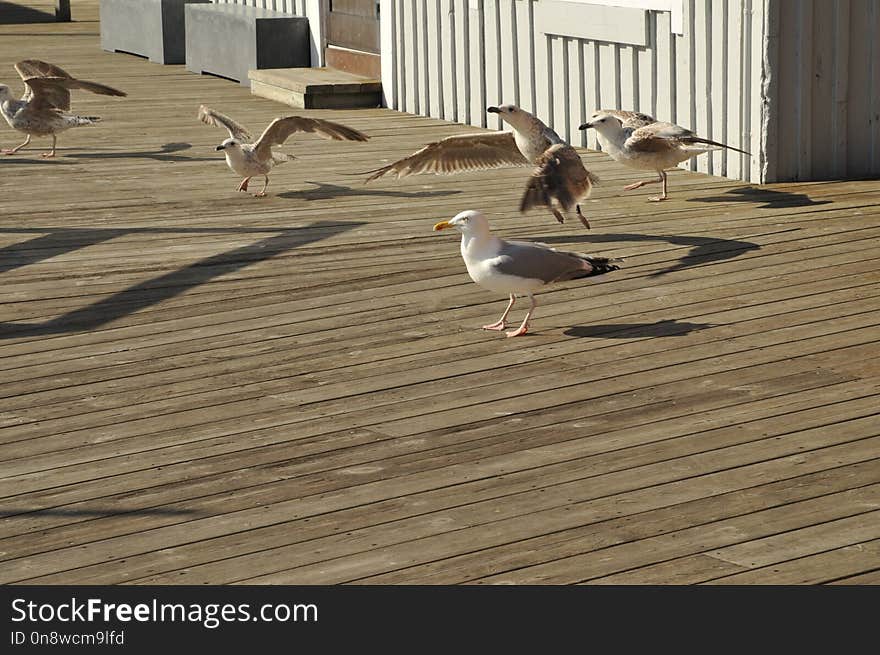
x,y
517,268
559,182
41,110
634,142
257,158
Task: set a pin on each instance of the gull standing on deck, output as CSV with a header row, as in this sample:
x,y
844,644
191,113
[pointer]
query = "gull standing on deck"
x,y
638,141
517,268
257,158
559,181
41,110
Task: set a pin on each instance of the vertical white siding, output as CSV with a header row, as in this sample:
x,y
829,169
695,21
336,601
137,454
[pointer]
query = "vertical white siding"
x,y
827,107
492,51
295,7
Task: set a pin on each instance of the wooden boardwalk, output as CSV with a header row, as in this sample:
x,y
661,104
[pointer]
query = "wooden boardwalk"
x,y
202,387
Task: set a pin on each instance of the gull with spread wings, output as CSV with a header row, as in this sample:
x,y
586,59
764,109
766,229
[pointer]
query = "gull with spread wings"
x,y
41,111
639,141
558,182
250,159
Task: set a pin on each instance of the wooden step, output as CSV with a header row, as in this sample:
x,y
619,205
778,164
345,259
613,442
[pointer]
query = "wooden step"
x,y
353,61
316,88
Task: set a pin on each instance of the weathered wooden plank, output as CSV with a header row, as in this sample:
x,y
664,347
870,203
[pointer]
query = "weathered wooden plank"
x,y
206,475
870,577
814,569
582,567
808,330
571,567
40,403
778,493
567,515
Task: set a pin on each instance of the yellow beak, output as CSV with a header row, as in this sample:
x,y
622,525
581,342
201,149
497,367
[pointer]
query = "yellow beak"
x,y
442,225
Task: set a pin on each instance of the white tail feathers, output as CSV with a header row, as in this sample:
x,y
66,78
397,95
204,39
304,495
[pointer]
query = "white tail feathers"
x,y
84,120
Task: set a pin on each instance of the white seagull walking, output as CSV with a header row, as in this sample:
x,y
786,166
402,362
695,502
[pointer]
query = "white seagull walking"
x,y
41,111
638,141
250,159
559,181
517,268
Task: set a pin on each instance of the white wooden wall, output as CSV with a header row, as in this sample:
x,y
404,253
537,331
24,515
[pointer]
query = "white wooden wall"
x,y
452,58
826,119
295,7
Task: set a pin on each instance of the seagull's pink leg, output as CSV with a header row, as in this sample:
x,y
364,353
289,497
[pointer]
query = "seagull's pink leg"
x,y
500,323
639,185
244,184
12,151
524,326
662,195
263,190
581,216
48,155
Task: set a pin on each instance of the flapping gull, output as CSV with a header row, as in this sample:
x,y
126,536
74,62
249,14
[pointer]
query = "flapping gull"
x,y
558,182
517,268
631,140
257,158
41,110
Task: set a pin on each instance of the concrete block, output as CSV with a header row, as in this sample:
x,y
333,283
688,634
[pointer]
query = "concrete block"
x,y
149,28
229,40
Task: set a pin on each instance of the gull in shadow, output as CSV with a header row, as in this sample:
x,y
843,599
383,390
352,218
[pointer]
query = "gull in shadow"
x,y
664,328
158,289
771,199
703,250
323,191
165,152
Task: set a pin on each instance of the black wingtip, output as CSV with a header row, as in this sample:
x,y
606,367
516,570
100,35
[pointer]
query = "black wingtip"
x,y
602,265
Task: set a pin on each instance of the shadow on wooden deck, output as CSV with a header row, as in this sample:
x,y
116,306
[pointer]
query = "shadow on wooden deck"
x,y
766,198
18,14
155,290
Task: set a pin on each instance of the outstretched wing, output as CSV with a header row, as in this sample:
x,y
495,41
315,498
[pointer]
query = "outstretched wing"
x,y
280,130
454,154
28,68
54,92
215,119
